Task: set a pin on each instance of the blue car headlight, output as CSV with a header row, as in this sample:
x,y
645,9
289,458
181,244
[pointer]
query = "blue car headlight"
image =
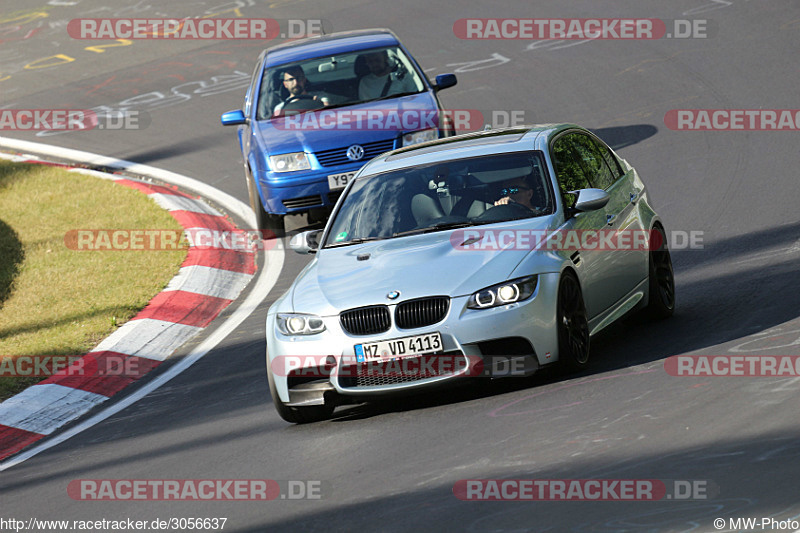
x,y
508,292
299,324
289,162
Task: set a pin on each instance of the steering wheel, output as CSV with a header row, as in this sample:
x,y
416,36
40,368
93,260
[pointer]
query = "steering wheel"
x,y
299,97
301,102
509,211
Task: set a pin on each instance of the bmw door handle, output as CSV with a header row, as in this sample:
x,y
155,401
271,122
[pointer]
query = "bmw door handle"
x,y
610,219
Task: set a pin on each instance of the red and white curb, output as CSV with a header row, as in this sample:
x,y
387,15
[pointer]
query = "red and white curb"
x,y
209,280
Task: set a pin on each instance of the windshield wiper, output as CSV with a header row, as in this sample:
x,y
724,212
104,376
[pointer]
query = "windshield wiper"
x,y
359,240
436,227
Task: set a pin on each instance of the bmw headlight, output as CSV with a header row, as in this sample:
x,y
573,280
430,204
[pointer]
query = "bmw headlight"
x,y
299,324
289,162
508,292
422,136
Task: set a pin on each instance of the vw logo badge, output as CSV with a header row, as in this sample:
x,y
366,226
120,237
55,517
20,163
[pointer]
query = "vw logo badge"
x,y
394,295
355,152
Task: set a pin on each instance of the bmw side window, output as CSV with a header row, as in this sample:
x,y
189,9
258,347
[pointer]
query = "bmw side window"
x,y
596,169
609,158
569,172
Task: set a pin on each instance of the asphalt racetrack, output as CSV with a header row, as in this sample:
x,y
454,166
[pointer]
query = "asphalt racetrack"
x,y
393,466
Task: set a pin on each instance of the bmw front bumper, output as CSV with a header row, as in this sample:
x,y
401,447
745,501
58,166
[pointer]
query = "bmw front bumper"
x,y
522,330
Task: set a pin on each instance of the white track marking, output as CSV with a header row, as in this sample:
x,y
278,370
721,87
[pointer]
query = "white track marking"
x,y
145,338
209,281
32,409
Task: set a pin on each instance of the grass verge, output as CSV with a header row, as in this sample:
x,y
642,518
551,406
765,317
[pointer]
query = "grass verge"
x,y
62,302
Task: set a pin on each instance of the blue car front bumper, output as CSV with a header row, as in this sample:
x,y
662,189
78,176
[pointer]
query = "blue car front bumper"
x,y
296,192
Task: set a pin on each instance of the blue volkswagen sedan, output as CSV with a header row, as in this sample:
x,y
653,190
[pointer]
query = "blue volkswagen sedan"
x,y
319,108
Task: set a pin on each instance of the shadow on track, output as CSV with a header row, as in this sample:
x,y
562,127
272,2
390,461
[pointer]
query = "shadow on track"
x,y
620,137
196,144
434,507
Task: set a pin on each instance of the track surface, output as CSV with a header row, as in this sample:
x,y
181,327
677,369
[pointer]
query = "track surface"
x,y
392,466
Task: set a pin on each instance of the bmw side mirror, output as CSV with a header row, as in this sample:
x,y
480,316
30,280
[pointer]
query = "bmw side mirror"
x,y
443,81
590,199
306,242
233,118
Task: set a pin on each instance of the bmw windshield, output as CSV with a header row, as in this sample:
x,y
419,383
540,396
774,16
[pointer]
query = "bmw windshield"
x,y
442,196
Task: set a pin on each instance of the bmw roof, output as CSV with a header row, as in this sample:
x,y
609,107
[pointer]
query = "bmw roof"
x,y
514,139
334,43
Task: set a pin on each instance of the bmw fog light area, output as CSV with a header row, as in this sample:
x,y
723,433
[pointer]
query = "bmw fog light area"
x,y
419,137
299,324
289,162
508,292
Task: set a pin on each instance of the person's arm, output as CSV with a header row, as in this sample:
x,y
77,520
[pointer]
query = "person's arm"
x,y
408,84
362,89
366,87
323,97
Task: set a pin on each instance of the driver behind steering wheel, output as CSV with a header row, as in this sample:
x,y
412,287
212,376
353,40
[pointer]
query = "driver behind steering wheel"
x,y
295,81
517,191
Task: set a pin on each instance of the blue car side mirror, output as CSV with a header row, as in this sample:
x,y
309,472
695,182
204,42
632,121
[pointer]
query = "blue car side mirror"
x,y
443,81
233,118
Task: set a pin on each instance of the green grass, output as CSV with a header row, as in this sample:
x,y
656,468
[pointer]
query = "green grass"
x,y
58,301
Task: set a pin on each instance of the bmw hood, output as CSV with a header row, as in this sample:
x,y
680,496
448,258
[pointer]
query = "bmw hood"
x,y
416,266
327,129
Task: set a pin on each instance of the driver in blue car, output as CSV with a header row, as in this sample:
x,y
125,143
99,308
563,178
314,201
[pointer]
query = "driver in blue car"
x,y
295,81
517,191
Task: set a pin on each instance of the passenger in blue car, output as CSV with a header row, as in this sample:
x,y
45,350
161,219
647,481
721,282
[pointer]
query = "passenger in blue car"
x,y
295,81
385,78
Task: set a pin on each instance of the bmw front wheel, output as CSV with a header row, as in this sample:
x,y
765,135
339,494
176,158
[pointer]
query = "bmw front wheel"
x,y
572,324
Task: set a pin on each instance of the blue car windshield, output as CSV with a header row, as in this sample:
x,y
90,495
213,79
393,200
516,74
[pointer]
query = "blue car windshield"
x,y
346,79
441,196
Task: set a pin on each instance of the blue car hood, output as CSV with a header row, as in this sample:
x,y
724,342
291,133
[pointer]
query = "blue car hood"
x,y
277,138
417,266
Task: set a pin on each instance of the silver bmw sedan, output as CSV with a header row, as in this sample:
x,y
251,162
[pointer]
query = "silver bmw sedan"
x,y
482,255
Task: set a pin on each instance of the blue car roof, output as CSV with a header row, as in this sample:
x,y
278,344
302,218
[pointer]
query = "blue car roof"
x,y
335,43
